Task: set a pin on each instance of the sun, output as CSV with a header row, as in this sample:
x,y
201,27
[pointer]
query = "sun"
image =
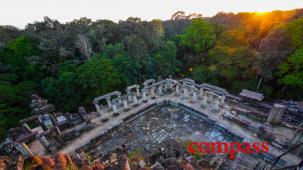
x,y
260,13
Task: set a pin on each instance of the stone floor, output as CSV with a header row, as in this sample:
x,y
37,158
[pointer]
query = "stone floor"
x,y
162,124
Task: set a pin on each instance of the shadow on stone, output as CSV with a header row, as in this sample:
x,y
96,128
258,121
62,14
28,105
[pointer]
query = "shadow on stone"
x,y
104,120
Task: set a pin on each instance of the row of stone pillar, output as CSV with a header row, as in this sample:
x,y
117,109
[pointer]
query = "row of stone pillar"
x,y
144,95
168,84
205,98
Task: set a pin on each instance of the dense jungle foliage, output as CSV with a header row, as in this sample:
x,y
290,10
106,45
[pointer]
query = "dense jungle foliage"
x,y
71,63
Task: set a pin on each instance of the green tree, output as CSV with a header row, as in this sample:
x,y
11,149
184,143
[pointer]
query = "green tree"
x,y
291,71
18,54
166,62
295,31
232,63
98,76
137,50
199,36
14,101
112,50
64,91
127,67
273,50
200,74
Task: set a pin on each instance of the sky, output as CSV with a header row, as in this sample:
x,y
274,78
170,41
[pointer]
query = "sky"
x,y
20,12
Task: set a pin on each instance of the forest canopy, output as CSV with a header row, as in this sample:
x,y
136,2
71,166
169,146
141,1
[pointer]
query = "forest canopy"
x,y
71,63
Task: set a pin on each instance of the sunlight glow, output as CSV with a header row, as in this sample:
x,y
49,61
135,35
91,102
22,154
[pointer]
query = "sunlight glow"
x,y
260,13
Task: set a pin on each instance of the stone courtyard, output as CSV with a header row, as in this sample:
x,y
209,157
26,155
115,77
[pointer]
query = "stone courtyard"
x,y
161,124
167,110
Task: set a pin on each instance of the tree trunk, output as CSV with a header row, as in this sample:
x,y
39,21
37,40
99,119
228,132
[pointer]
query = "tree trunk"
x,y
260,81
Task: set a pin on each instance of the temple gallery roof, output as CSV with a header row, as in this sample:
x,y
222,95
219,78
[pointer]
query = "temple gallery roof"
x,y
252,95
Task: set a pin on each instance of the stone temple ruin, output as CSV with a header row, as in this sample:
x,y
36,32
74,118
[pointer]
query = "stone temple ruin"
x,y
165,113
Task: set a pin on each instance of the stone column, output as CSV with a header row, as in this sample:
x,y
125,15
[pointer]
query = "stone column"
x,y
115,110
222,99
194,97
160,90
185,92
129,96
99,110
211,98
201,92
177,90
204,102
152,92
125,105
216,106
138,92
136,103
170,84
108,102
144,97
166,84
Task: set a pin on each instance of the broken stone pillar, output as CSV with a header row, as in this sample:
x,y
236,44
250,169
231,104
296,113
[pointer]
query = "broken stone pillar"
x,y
222,99
275,114
136,103
144,97
177,90
160,90
115,110
125,105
